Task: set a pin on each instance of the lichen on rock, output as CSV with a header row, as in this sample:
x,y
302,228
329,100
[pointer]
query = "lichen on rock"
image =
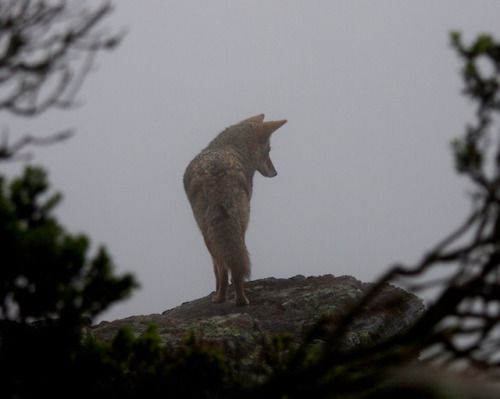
x,y
278,306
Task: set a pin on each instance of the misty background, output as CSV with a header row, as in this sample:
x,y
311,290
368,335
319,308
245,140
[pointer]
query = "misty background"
x,y
371,91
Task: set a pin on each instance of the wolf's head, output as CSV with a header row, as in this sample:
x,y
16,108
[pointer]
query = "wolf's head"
x,y
252,137
260,143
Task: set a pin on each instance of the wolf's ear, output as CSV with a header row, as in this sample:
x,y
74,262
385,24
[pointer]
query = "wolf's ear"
x,y
269,127
264,130
257,119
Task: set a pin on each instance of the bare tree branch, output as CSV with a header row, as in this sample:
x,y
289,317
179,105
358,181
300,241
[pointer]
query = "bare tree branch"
x,y
12,151
47,49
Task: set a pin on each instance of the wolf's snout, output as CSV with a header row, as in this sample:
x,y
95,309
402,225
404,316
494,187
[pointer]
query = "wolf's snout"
x,y
267,169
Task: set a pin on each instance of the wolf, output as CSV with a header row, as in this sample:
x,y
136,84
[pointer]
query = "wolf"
x,y
218,184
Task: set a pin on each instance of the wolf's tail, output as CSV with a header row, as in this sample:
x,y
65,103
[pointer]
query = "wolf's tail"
x,y
225,239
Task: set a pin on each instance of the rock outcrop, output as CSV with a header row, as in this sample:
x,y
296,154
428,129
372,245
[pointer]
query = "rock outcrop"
x,y
278,306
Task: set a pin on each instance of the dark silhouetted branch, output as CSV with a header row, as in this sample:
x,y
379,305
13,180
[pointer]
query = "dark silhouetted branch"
x,y
47,49
12,151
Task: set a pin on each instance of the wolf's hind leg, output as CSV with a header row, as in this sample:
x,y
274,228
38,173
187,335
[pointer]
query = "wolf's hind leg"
x,y
221,278
221,283
238,280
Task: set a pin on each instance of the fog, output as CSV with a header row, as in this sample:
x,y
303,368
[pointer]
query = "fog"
x,y
372,95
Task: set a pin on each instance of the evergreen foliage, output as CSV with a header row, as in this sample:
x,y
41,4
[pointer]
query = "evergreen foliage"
x,y
50,287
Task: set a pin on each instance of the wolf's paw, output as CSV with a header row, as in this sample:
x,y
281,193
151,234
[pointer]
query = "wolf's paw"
x,y
242,301
218,298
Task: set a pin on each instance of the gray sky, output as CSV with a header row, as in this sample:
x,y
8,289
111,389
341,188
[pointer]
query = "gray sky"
x,y
371,92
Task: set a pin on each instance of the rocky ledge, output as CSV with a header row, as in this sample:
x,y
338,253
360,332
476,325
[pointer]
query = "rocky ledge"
x,y
278,306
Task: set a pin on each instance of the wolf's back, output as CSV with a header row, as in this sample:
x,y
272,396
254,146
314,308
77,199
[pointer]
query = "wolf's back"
x,y
219,192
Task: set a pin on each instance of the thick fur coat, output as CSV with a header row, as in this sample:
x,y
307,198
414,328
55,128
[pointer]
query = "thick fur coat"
x,y
218,183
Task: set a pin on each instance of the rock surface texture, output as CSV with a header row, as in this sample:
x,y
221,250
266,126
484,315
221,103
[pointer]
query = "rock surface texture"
x,y
278,306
